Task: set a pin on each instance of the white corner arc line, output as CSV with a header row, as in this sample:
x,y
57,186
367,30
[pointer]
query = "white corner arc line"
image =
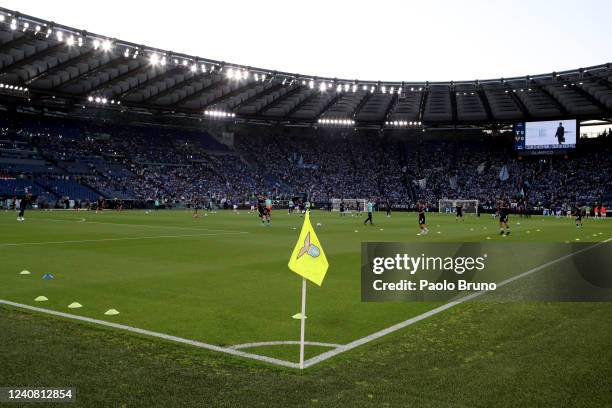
x,y
270,360
356,343
314,360
282,343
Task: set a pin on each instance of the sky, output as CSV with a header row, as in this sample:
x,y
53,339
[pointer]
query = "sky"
x,y
386,40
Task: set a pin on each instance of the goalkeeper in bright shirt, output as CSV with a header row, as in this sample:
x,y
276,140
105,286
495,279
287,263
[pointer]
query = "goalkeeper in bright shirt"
x,y
370,206
269,208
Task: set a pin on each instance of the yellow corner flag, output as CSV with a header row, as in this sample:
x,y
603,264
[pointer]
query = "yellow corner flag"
x,y
308,258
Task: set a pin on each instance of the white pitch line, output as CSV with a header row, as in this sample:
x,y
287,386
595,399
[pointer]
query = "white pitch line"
x,y
312,361
356,343
176,339
135,225
119,239
282,343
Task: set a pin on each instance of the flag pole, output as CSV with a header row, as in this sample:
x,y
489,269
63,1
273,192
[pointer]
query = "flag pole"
x,y
303,323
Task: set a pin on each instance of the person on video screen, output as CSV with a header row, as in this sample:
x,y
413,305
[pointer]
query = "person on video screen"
x,y
560,135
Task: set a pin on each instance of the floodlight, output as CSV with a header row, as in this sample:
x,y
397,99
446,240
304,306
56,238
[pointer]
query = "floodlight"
x,y
107,45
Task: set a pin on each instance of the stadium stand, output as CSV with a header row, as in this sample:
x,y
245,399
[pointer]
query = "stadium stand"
x,y
88,121
133,163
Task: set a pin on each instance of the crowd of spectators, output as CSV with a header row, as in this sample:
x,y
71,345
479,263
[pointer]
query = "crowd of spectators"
x,y
488,173
323,167
146,164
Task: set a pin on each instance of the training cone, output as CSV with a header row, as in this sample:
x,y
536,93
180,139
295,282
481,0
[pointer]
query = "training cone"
x,y
111,312
48,276
41,299
75,305
25,273
298,316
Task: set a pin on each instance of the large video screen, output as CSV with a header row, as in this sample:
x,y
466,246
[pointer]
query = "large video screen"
x,y
547,135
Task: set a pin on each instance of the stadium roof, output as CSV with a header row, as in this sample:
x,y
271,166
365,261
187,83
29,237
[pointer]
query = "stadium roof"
x,y
55,66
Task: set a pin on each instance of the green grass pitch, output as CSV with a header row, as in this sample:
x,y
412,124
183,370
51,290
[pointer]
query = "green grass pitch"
x,y
223,280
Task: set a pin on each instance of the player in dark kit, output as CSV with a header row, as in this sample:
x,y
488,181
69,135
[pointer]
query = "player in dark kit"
x,y
579,213
388,205
504,212
22,206
100,205
459,212
195,204
264,213
420,207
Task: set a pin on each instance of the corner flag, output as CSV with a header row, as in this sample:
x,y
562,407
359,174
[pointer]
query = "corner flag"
x,y
308,259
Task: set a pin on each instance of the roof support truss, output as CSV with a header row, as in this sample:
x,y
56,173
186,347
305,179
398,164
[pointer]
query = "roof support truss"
x,y
61,66
34,57
91,71
197,94
278,100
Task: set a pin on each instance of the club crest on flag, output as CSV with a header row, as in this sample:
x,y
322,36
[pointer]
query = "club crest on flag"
x,y
314,265
309,248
